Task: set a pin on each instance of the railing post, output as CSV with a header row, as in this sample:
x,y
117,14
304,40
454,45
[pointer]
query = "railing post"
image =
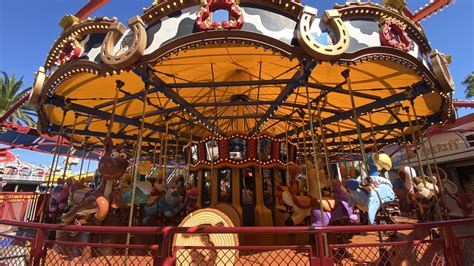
x,y
37,248
451,247
166,254
320,247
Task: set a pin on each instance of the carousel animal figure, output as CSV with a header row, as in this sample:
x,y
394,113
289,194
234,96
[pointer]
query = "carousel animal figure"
x,y
87,202
190,200
143,188
372,192
303,204
421,191
342,210
59,198
169,205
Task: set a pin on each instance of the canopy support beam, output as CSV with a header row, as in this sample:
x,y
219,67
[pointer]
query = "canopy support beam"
x,y
409,93
302,74
61,102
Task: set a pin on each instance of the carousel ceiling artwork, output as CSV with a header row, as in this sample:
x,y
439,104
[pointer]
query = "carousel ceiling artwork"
x,y
273,66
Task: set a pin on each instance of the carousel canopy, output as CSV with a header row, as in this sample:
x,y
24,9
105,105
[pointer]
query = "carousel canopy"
x,y
23,137
273,66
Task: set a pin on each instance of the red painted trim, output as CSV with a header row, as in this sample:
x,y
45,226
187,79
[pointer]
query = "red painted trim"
x,y
90,7
463,104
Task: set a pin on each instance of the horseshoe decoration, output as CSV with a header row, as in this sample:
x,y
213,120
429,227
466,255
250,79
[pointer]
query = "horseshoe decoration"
x,y
313,47
393,34
440,63
131,47
204,17
37,86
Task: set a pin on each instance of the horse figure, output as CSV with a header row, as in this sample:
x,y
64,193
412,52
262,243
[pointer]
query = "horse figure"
x,y
86,201
315,205
421,191
342,210
59,197
371,193
169,205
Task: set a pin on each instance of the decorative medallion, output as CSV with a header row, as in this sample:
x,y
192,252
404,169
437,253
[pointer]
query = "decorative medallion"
x,y
71,50
40,77
440,63
393,34
204,18
131,47
311,45
202,256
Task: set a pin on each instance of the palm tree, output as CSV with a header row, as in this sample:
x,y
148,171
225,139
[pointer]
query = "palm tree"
x,y
10,92
469,83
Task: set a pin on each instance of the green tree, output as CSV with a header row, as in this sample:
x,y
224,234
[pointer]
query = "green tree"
x,y
10,92
469,83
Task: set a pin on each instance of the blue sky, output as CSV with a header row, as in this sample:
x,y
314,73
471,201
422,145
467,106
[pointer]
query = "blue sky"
x,y
28,28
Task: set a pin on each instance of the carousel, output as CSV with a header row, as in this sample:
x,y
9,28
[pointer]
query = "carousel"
x,y
275,116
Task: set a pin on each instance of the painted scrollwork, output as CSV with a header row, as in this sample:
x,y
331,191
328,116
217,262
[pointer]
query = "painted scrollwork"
x,y
40,78
313,47
393,33
204,18
131,48
440,62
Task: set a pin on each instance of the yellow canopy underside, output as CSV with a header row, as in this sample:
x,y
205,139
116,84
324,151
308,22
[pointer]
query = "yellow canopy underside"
x,y
376,78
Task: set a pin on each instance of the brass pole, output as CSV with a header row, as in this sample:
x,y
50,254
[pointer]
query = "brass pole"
x,y
135,169
66,164
425,153
304,153
356,121
323,136
446,216
53,166
315,160
373,132
288,178
114,106
165,154
420,166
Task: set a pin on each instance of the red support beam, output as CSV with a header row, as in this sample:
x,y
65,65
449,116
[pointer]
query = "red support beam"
x,y
15,106
90,7
463,104
428,10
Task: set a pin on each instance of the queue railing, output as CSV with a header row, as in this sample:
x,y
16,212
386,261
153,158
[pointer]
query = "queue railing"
x,y
45,244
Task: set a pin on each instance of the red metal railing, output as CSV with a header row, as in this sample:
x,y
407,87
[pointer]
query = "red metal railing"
x,y
455,247
18,206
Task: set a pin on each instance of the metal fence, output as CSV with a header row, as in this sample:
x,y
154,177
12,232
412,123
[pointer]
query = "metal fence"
x,y
51,244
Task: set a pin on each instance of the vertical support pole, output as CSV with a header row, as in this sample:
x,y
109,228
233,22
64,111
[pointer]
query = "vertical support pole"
x,y
135,169
66,164
356,120
53,168
165,153
420,166
119,84
374,137
323,136
446,216
315,159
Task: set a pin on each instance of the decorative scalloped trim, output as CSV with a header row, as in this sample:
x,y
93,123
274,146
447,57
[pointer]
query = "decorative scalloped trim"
x,y
98,25
357,9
